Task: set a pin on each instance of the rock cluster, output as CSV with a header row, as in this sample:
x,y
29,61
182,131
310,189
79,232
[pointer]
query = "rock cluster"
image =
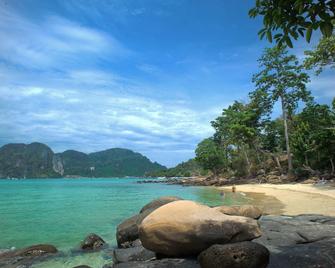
x,y
170,232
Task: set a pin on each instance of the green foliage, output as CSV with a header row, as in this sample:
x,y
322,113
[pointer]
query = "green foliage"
x,y
282,78
283,20
184,169
313,138
210,156
323,55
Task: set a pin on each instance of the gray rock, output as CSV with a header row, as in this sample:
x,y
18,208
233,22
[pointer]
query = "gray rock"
x,y
237,255
311,255
279,231
163,263
92,242
27,256
156,203
138,253
128,230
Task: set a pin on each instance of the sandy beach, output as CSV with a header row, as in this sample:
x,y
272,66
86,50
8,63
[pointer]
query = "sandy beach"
x,y
291,199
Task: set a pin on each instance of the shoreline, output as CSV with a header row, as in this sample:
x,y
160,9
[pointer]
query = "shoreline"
x,y
295,198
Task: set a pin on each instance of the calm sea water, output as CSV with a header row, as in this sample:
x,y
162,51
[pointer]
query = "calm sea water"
x,y
63,211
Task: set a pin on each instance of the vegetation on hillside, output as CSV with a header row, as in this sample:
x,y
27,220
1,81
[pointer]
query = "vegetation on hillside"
x,y
37,160
184,169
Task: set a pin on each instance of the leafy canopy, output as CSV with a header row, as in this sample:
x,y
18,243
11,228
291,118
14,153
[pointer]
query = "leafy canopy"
x,y
286,19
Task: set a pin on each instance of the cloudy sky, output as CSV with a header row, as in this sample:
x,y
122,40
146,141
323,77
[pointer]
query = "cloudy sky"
x,y
144,75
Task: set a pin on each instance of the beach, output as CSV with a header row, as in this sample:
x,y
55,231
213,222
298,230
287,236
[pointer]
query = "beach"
x,y
292,199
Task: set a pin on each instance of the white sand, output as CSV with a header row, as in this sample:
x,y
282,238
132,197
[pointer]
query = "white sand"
x,y
296,198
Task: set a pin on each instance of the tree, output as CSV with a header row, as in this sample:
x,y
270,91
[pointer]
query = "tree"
x,y
283,79
313,137
323,55
239,126
291,18
210,156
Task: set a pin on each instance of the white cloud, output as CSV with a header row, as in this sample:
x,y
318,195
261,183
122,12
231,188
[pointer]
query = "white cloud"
x,y
55,42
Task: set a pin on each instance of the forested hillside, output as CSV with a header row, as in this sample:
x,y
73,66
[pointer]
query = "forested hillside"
x,y
37,160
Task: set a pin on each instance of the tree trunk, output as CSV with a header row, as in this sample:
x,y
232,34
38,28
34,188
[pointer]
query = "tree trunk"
x,y
332,164
248,161
288,149
306,160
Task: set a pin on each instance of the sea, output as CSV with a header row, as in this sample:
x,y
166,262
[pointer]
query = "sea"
x,y
62,212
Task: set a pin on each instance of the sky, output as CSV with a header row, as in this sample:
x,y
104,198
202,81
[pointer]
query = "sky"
x,y
147,75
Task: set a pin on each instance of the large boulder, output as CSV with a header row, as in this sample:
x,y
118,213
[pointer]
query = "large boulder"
x,y
237,255
92,242
156,203
244,210
127,231
183,228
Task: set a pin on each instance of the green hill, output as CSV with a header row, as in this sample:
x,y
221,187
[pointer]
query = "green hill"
x,y
185,169
37,160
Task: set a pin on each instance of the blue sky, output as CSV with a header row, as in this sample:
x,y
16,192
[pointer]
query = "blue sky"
x,y
144,75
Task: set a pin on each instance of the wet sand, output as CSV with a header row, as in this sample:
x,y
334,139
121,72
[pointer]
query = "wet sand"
x,y
290,199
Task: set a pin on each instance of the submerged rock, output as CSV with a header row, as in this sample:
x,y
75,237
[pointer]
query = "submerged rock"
x,y
184,228
26,256
244,210
92,242
237,255
164,263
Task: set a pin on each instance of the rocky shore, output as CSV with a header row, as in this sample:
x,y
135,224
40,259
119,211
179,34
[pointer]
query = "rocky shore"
x,y
170,232
273,177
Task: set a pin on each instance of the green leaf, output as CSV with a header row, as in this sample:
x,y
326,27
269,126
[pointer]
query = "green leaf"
x,y
288,41
269,36
309,33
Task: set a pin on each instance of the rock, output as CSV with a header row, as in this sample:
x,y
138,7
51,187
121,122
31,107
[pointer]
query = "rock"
x,y
244,210
138,253
130,244
237,255
154,204
27,256
184,228
164,263
82,266
92,242
316,254
281,231
32,251
127,231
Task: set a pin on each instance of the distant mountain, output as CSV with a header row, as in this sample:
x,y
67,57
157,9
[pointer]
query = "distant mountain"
x,y
37,160
185,169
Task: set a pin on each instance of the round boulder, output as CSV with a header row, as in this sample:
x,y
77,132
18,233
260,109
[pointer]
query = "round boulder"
x,y
237,255
184,228
244,210
156,203
92,242
127,231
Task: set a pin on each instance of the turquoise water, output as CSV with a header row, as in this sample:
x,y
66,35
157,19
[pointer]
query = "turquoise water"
x,y
63,211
